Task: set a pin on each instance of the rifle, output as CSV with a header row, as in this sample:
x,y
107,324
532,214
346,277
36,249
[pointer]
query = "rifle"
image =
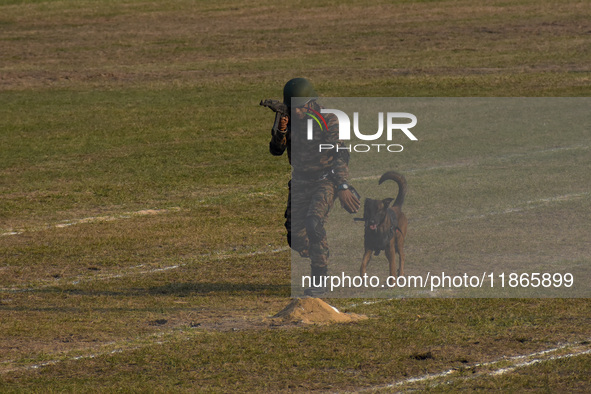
x,y
280,110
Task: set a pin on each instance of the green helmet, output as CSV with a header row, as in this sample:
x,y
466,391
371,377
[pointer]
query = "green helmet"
x,y
297,92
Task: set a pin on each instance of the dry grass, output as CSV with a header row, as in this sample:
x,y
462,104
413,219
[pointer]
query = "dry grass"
x,y
50,44
116,107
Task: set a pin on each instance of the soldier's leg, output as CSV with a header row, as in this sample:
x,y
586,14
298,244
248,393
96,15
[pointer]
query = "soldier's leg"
x,y
320,205
295,224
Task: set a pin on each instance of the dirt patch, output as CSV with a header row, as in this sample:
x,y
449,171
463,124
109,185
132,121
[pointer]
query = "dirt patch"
x,y
313,311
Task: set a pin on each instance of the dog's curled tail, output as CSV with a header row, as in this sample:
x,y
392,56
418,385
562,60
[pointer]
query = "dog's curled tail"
x,y
401,181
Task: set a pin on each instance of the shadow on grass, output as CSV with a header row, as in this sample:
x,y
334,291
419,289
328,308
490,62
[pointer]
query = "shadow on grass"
x,y
175,289
235,289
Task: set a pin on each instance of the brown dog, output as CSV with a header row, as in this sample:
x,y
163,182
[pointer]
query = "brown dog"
x,y
385,226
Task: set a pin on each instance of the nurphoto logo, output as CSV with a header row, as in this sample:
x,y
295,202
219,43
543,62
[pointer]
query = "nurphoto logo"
x,y
345,130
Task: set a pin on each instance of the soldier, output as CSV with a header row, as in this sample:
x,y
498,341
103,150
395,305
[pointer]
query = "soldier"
x,y
316,178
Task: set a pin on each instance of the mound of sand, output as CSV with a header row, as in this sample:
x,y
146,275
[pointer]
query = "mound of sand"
x,y
314,311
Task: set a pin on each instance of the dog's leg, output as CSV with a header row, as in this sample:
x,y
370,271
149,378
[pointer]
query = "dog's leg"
x,y
400,250
391,256
366,258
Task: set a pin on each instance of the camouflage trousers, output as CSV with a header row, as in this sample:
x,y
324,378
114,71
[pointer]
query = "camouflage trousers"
x,y
307,210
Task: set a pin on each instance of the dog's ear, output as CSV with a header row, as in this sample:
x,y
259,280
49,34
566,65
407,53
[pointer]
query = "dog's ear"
x,y
387,202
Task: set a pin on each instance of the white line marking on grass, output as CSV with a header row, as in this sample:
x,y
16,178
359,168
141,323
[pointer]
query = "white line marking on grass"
x,y
131,271
216,256
536,361
120,347
525,206
474,162
577,349
92,219
56,361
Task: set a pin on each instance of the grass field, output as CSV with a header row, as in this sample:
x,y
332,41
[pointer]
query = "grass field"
x,y
141,216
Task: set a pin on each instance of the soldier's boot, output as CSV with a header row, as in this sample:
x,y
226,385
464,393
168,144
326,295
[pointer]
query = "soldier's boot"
x,y
318,285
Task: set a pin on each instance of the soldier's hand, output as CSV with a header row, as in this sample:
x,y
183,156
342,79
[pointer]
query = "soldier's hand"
x,y
348,201
283,124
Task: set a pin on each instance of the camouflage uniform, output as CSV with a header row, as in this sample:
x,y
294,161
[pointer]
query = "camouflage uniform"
x,y
312,189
